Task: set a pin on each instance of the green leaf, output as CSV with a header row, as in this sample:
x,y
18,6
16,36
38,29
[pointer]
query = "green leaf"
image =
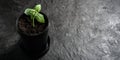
x,y
39,17
29,11
37,8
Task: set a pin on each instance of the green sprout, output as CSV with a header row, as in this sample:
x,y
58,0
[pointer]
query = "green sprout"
x,y
34,14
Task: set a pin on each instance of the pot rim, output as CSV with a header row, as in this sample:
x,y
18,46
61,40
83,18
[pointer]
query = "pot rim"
x,y
34,34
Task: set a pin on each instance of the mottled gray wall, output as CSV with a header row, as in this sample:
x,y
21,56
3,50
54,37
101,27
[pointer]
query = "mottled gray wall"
x,y
79,29
84,29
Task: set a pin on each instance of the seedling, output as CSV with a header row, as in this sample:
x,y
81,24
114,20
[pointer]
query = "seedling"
x,y
35,15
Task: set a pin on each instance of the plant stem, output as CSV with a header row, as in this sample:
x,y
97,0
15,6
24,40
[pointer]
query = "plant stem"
x,y
33,19
33,23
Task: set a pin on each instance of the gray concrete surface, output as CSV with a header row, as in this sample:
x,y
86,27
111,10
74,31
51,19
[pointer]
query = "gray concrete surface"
x,y
79,29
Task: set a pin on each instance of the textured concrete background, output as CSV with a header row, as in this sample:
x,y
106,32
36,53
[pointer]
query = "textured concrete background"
x,y
79,29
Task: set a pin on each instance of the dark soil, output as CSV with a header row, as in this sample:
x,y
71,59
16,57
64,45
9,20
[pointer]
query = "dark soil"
x,y
25,25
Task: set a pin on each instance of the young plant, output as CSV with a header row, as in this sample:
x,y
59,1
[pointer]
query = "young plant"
x,y
35,15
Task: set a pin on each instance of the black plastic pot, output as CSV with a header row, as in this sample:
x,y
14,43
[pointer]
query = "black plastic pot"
x,y
35,45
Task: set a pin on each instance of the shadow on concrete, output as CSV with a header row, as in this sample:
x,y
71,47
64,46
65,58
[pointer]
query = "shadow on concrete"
x,y
14,53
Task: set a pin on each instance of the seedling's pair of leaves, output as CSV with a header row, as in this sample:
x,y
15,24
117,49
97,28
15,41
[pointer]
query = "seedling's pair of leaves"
x,y
34,14
30,11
